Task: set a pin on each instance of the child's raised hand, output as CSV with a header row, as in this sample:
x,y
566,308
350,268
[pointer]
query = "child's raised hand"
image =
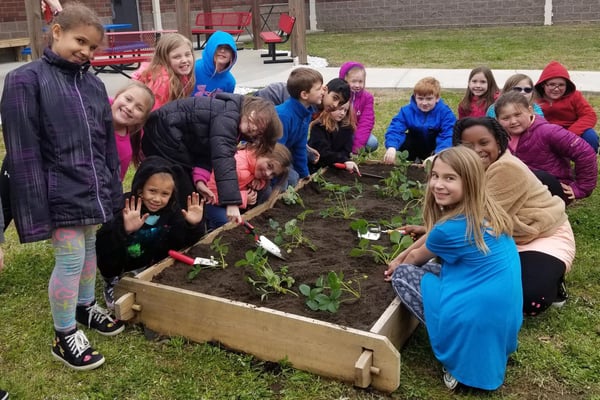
x,y
195,209
390,156
132,218
205,192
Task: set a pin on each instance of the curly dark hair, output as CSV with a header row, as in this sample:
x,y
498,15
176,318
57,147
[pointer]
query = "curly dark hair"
x,y
490,124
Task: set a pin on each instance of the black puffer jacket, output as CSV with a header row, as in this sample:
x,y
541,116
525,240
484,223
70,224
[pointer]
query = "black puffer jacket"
x,y
199,132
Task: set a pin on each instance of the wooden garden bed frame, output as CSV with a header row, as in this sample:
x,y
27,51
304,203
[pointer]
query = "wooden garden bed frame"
x,y
352,355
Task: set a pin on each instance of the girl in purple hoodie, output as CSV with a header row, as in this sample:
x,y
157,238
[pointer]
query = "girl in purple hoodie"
x,y
362,103
549,148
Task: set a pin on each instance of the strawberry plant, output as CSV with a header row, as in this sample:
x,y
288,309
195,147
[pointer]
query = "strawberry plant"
x,y
328,292
264,279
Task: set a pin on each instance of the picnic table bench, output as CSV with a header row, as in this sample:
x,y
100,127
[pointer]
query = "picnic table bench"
x,y
232,22
18,44
126,50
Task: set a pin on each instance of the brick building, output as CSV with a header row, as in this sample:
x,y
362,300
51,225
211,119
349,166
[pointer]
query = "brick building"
x,y
345,15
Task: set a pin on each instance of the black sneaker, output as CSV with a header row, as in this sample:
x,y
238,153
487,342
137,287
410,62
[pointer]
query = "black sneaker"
x,y
75,351
98,318
562,295
109,292
3,395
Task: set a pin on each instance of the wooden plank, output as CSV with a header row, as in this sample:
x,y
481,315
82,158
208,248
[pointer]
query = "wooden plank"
x,y
15,42
311,345
396,323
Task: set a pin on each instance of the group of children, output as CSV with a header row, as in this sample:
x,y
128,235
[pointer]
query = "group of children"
x,y
205,154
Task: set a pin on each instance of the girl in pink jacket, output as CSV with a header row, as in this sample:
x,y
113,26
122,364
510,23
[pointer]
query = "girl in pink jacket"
x,y
363,105
254,172
170,74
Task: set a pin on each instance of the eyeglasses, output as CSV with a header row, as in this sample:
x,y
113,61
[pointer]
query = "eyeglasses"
x,y
522,89
556,85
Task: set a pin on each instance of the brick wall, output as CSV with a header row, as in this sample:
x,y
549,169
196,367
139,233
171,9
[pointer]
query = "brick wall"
x,y
344,15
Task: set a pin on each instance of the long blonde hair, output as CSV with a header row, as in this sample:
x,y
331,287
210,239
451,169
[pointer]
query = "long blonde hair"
x,y
480,210
178,88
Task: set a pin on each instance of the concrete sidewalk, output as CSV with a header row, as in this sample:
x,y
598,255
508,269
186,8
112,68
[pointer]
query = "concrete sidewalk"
x,y
251,73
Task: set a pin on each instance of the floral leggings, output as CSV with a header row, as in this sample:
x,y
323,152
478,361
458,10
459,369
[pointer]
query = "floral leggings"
x,y
406,281
73,279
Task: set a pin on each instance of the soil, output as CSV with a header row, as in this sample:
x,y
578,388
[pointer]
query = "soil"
x,y
333,238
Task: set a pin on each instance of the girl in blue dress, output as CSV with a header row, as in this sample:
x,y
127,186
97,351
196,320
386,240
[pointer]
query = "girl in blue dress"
x,y
471,301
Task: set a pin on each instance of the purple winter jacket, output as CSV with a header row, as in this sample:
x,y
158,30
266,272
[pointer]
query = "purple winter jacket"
x,y
363,105
551,148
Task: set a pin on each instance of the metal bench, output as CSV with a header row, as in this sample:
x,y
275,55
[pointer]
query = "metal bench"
x,y
126,50
285,26
233,22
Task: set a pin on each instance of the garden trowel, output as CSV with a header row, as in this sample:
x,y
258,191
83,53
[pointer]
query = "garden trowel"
x,y
343,166
209,262
263,242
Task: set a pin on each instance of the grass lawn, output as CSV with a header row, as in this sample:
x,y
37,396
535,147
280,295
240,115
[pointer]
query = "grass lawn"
x,y
558,355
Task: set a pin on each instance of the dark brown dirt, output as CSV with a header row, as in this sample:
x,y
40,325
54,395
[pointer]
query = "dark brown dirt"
x,y
333,238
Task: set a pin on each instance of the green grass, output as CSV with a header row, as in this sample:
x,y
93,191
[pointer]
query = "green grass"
x,y
526,47
558,356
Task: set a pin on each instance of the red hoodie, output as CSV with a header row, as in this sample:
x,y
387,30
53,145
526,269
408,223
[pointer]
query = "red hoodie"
x,y
572,111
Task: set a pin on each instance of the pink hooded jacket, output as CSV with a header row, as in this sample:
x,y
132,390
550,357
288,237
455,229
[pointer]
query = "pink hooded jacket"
x,y
363,105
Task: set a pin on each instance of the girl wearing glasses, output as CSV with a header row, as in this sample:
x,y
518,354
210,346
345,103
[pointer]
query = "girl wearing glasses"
x,y
564,105
519,83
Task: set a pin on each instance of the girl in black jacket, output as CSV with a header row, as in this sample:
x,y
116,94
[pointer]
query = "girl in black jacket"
x,y
201,134
332,135
151,224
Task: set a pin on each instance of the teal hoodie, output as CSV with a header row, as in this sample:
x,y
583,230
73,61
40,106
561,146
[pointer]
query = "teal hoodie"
x,y
208,81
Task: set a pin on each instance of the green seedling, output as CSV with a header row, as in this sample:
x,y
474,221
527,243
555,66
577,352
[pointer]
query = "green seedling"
x,y
264,279
293,231
382,254
338,196
216,246
330,292
291,197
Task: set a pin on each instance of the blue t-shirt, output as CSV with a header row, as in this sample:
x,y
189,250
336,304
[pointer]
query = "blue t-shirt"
x,y
473,310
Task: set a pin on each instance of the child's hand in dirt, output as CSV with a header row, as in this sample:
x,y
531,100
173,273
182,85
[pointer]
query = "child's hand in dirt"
x,y
205,192
233,214
132,218
251,197
390,156
352,167
195,209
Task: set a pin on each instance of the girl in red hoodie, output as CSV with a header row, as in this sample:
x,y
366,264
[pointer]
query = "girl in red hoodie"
x,y
564,105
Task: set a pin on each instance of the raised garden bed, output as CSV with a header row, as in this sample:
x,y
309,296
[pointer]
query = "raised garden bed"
x,y
359,343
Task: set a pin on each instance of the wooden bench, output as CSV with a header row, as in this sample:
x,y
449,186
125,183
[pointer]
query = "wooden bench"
x,y
233,22
18,44
285,26
126,50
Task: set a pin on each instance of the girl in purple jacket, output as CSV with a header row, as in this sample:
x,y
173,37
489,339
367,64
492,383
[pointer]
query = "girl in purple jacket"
x,y
548,148
64,173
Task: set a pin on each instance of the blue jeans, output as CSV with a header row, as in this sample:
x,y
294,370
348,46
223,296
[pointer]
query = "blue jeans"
x,y
372,143
215,216
590,136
